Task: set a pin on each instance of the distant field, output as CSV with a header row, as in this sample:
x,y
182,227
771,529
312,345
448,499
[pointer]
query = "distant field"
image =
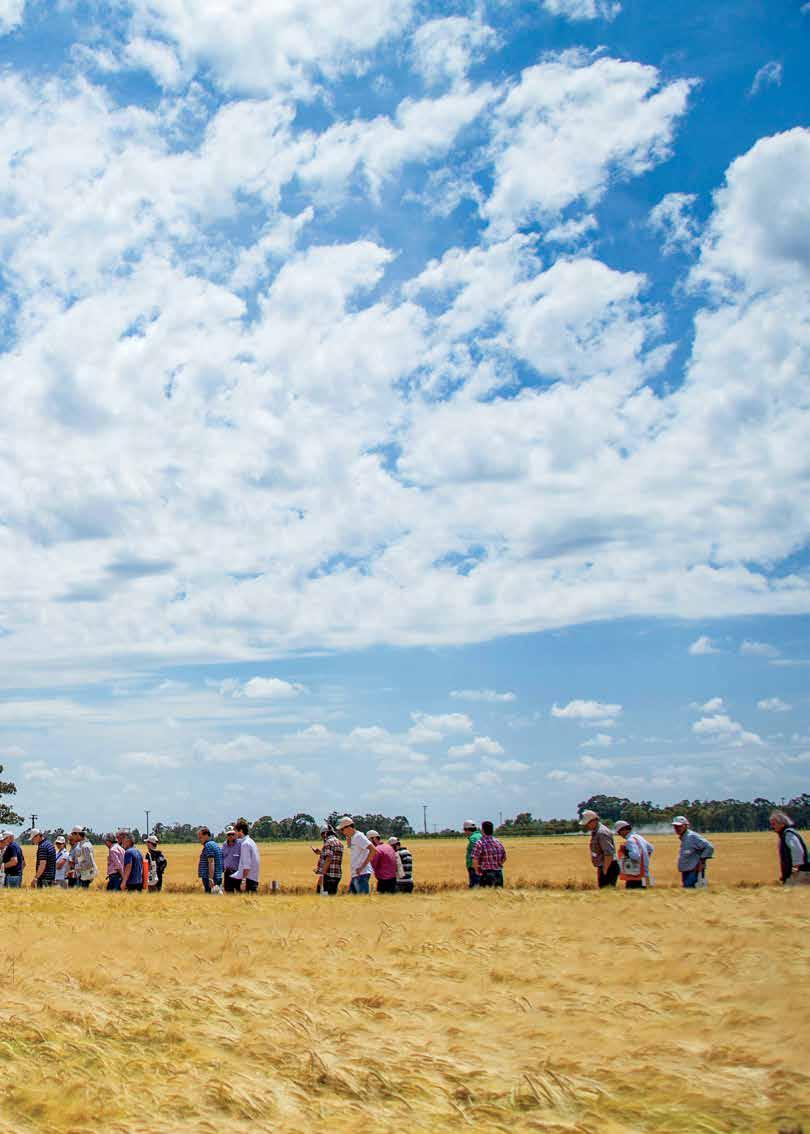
x,y
555,1012
555,862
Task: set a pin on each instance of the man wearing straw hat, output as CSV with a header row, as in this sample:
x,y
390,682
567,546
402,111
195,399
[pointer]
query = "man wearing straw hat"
x,y
603,849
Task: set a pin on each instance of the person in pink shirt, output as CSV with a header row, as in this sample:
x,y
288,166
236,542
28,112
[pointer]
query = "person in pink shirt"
x,y
115,862
384,864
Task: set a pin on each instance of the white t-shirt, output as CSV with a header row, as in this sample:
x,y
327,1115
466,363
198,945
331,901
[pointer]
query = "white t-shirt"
x,y
358,849
61,864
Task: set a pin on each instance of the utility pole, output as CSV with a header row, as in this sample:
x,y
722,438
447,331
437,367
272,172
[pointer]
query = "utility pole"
x,y
34,818
500,818
147,822
424,817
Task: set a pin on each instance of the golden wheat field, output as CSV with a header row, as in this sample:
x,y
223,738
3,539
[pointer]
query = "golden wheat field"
x,y
438,863
515,1010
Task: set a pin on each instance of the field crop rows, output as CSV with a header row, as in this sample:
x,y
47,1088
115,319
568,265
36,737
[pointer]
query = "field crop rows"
x,y
551,1011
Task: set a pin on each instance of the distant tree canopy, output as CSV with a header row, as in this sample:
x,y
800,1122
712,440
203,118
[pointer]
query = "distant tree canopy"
x,y
8,816
704,814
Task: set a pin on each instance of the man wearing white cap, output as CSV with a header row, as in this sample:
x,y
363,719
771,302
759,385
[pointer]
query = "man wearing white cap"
x,y
160,861
473,835
695,852
60,874
361,855
46,860
603,850
634,857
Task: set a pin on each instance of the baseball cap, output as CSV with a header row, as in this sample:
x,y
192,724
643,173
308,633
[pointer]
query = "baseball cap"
x,y
372,834
468,825
393,840
346,821
59,839
231,831
680,821
620,825
586,817
32,834
151,839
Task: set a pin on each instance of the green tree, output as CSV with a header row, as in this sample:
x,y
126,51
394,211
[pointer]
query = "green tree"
x,y
8,816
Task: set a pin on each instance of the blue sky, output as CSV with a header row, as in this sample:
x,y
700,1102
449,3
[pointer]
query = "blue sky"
x,y
403,404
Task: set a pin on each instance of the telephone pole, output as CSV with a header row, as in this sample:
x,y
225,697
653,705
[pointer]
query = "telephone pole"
x,y
34,818
424,817
147,822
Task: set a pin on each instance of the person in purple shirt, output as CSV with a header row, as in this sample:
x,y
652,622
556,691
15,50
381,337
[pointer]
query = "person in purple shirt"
x,y
384,864
231,850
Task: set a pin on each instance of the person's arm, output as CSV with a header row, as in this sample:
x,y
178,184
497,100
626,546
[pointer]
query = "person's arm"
x,y
40,871
212,865
705,851
11,862
477,857
125,875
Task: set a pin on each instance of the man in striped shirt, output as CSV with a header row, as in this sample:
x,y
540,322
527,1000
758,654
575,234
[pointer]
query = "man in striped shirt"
x,y
46,860
209,868
489,855
405,867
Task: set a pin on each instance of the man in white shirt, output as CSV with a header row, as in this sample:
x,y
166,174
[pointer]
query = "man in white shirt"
x,y
247,872
361,853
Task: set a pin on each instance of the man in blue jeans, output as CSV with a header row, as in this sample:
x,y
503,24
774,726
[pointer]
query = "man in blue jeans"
x,y
695,852
13,861
361,853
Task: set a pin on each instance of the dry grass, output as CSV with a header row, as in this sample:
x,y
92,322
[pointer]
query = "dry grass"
x,y
505,1011
563,862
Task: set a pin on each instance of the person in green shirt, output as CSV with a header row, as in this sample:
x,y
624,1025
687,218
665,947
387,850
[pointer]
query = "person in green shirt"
x,y
473,835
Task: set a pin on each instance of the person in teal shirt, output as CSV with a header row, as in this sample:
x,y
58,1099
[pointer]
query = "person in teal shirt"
x,y
473,835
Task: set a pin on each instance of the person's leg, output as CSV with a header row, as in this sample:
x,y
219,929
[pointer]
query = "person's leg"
x,y
251,885
44,883
497,878
634,884
363,884
386,886
486,878
14,881
114,882
206,884
228,883
85,883
474,878
330,885
405,886
689,879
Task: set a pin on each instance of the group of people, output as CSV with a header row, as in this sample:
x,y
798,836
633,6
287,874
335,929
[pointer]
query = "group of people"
x,y
630,861
391,863
234,865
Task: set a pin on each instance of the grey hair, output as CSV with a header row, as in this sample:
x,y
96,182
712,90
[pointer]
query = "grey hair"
x,y
782,817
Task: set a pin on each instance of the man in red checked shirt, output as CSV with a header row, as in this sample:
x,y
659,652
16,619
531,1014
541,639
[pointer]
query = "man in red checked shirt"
x,y
489,855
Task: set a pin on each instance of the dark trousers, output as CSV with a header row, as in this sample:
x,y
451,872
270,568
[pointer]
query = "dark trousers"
x,y
230,884
404,885
474,879
329,885
113,881
251,886
491,878
634,884
386,885
610,878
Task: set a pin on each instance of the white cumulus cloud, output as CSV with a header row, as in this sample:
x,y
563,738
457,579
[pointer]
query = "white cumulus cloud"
x,y
591,713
